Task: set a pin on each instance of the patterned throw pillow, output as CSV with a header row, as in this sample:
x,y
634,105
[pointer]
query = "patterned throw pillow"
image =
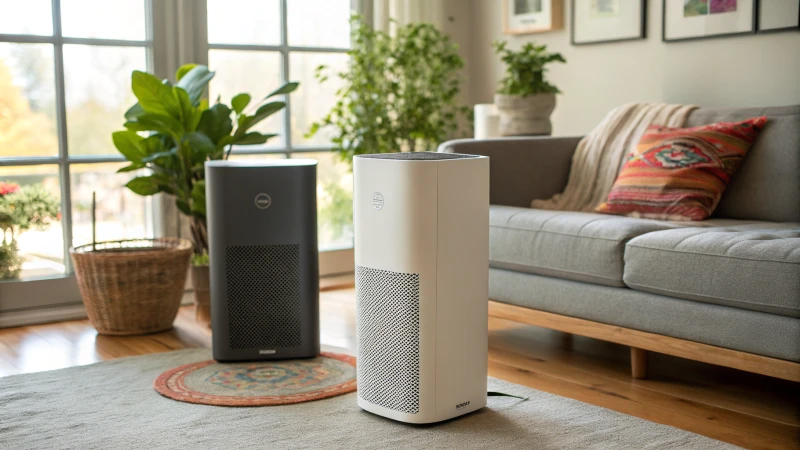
x,y
681,173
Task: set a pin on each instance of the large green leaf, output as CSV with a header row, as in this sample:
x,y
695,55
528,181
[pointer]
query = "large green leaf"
x,y
194,82
154,96
134,111
186,108
200,143
143,185
199,198
216,123
240,102
155,122
131,167
264,111
183,70
285,89
165,154
253,138
129,144
183,207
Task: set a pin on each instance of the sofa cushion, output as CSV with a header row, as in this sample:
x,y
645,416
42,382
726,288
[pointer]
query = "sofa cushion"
x,y
578,246
767,184
744,268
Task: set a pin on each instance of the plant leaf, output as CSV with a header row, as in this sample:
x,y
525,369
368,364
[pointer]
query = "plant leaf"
x,y
143,185
285,89
215,122
264,111
199,197
154,122
186,108
194,82
154,156
253,138
131,168
129,144
200,143
134,111
154,96
183,207
240,102
183,70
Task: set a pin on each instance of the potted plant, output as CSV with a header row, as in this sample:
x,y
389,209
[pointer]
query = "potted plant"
x,y
183,132
525,99
21,208
399,93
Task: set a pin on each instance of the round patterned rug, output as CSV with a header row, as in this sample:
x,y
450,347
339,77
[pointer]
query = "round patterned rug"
x,y
260,383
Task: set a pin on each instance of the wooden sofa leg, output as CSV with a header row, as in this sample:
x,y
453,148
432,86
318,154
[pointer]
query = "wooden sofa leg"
x,y
638,363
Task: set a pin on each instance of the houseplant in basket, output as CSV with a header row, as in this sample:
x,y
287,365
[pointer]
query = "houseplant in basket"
x,y
21,208
525,99
185,131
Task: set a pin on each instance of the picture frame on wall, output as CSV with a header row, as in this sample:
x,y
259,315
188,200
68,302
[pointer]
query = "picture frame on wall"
x,y
603,21
532,16
775,16
685,20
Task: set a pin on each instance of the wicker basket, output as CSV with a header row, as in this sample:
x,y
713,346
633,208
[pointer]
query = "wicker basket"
x,y
132,287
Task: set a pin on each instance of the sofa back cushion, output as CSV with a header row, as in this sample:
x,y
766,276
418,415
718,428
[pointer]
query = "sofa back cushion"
x,y
767,184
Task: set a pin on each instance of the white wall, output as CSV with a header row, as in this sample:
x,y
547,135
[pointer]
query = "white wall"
x,y
759,70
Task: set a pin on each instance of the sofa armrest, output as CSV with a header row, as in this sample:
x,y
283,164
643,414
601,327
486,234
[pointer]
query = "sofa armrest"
x,y
521,169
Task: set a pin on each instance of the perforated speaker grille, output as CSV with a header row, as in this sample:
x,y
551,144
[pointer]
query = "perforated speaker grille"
x,y
387,311
263,296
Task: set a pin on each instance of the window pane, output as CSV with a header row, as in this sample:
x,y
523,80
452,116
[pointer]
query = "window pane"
x,y
255,22
26,17
98,92
312,100
27,101
254,73
319,23
36,236
334,201
120,213
104,19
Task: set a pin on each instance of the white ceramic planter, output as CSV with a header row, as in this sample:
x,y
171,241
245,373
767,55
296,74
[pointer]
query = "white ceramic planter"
x,y
525,116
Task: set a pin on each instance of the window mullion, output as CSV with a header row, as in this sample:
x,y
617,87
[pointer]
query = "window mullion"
x,y
287,122
63,150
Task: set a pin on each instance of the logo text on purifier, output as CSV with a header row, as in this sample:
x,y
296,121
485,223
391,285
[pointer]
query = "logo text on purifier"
x,y
461,405
266,352
377,200
263,201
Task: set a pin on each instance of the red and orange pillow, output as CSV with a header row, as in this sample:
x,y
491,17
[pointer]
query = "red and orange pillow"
x,y
681,173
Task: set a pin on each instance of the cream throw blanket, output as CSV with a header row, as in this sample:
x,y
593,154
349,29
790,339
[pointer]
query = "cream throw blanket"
x,y
601,153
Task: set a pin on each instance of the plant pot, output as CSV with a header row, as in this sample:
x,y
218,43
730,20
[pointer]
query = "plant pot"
x,y
525,116
202,295
132,287
10,261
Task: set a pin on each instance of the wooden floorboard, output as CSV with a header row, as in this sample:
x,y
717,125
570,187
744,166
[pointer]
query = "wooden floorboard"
x,y
745,409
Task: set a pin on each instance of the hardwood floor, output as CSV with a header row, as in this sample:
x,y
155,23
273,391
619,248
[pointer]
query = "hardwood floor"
x,y
745,409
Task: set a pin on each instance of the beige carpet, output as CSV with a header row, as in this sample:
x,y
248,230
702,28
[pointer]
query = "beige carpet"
x,y
112,405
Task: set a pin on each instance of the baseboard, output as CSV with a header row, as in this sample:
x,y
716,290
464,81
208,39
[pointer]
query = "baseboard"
x,y
42,315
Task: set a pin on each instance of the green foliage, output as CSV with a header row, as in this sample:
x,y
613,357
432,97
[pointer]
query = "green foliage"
x,y
525,69
399,93
199,260
183,132
338,213
21,208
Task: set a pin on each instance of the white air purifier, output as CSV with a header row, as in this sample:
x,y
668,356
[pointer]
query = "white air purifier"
x,y
422,264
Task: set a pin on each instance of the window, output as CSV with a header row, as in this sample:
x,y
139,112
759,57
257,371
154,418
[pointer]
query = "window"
x,y
285,40
65,84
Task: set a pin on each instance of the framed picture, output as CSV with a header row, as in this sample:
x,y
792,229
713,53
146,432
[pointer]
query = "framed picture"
x,y
699,19
782,15
598,21
532,16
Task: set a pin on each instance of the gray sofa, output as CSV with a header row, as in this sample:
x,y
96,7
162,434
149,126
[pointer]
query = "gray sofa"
x,y
732,281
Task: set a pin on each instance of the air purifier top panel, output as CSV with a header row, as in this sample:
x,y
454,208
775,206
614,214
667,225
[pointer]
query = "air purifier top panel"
x,y
262,163
418,156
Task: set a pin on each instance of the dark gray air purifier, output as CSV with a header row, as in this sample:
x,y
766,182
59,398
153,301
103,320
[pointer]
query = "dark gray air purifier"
x,y
264,266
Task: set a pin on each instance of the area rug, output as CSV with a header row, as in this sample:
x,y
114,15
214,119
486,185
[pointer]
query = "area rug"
x,y
265,383
112,405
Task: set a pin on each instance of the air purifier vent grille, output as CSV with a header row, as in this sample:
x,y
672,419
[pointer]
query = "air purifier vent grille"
x,y
263,287
387,312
